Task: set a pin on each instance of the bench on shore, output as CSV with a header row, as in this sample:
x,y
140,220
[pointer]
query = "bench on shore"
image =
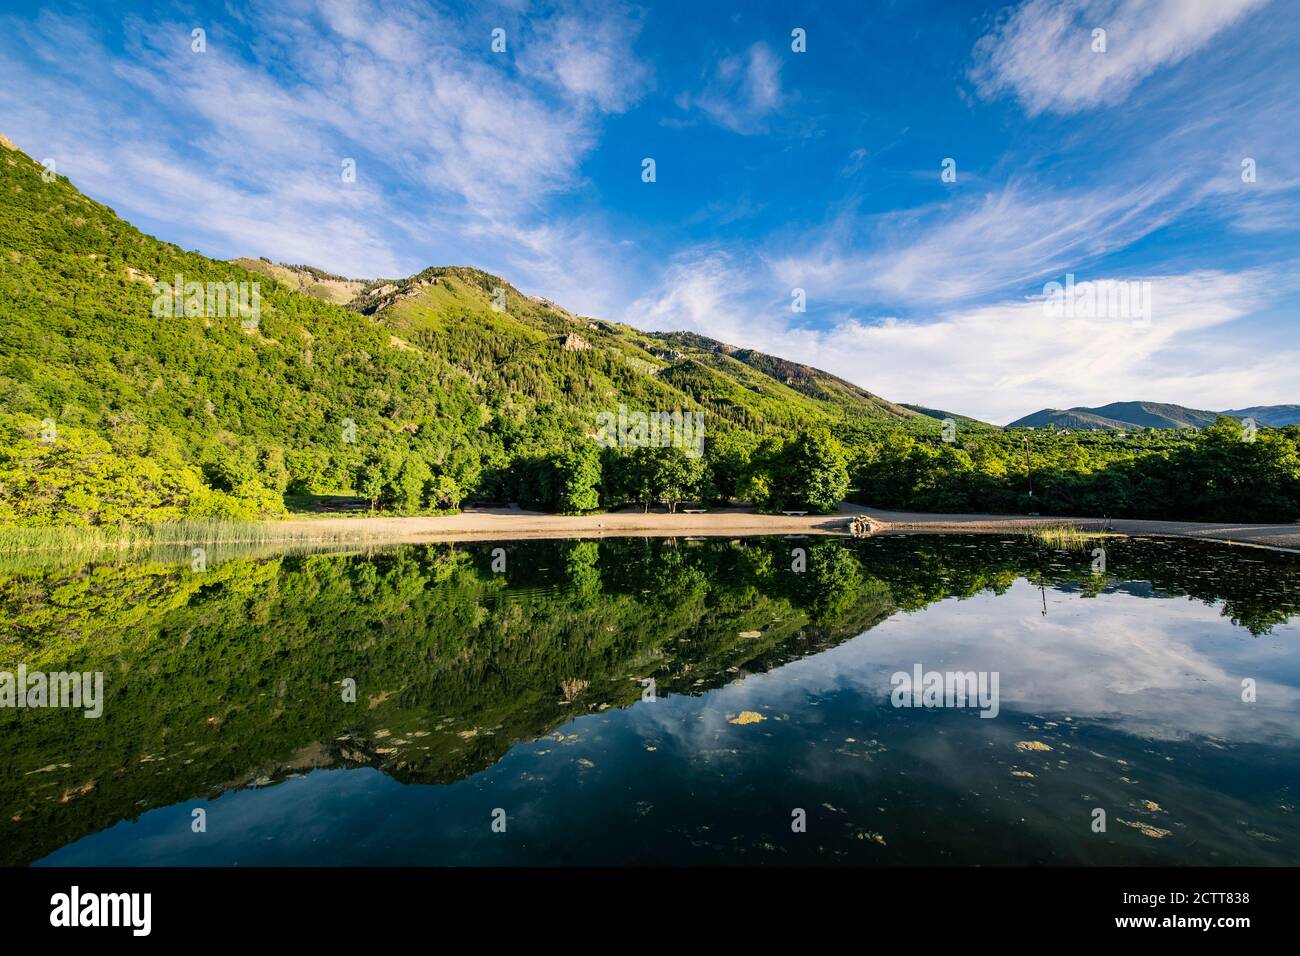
x,y
694,511
795,514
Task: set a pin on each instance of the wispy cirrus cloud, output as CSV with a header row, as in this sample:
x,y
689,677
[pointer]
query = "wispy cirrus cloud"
x,y
742,92
445,135
1176,152
988,245
1043,50
588,60
1001,360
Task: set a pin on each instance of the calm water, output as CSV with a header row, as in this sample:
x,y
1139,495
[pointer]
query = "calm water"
x,y
524,692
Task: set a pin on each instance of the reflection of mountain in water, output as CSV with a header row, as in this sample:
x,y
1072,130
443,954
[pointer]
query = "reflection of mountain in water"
x,y
231,678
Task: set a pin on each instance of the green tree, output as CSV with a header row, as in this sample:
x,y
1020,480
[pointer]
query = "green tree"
x,y
675,475
727,458
578,480
444,492
370,478
639,476
405,490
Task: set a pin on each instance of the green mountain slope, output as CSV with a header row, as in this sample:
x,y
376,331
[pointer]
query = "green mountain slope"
x,y
1075,418
450,310
804,379
115,407
95,386
1156,415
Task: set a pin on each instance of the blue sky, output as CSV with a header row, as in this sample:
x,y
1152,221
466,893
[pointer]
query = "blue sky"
x,y
776,169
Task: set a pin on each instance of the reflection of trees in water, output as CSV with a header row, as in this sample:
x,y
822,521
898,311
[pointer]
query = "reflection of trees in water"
x,y
1258,589
235,669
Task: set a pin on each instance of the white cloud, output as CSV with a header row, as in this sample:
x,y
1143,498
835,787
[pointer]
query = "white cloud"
x,y
589,60
1042,51
1150,667
1001,361
703,292
447,142
743,91
966,249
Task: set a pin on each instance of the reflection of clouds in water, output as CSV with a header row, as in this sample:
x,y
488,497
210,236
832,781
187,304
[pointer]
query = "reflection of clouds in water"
x,y
700,724
1163,669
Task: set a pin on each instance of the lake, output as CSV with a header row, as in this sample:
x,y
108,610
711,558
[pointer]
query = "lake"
x,y
667,701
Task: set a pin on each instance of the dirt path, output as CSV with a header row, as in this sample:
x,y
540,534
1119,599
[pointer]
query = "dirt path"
x,y
507,523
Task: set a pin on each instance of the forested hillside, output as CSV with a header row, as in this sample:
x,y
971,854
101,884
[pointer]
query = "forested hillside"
x,y
417,395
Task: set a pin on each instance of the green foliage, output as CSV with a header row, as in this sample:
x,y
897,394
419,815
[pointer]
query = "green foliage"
x,y
727,457
675,475
229,417
579,480
819,477
650,475
1215,473
75,477
806,473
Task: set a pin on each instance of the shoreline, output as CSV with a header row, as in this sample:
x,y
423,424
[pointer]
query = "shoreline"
x,y
504,523
1277,537
488,524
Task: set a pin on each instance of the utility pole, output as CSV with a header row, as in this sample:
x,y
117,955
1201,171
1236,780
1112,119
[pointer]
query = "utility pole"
x,y
1029,468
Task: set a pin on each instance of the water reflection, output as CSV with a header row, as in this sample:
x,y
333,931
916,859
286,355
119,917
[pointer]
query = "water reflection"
x,y
524,690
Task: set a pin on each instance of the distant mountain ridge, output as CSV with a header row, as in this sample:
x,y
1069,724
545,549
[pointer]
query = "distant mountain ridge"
x,y
1118,416
940,414
1273,415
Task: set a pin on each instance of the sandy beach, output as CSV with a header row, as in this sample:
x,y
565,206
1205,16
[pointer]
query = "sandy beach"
x,y
508,523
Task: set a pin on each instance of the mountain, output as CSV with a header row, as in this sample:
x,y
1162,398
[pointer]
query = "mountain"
x,y
450,310
1275,416
1131,415
938,413
1073,418
120,404
802,378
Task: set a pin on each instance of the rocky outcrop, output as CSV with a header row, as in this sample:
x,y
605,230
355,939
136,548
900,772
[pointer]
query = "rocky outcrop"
x,y
863,527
